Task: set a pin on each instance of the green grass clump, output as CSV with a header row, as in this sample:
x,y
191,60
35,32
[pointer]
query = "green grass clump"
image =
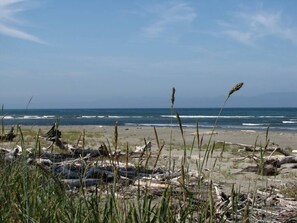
x,y
71,136
27,194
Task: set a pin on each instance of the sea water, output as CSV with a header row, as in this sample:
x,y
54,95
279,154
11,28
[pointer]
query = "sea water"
x,y
283,119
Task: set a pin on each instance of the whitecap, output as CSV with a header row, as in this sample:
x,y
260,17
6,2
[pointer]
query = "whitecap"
x,y
206,116
49,116
252,124
289,122
6,117
32,117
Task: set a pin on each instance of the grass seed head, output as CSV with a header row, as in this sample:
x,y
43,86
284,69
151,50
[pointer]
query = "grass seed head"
x,y
173,96
235,88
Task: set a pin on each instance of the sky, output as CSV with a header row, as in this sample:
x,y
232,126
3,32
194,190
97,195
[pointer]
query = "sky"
x,y
108,54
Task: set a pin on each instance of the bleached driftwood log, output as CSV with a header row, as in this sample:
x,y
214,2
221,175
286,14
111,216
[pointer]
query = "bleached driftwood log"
x,y
287,159
253,148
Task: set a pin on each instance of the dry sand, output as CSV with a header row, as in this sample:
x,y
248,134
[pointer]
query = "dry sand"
x,y
224,169
136,135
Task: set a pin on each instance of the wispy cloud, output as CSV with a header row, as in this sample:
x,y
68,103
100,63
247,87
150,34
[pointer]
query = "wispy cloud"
x,y
250,27
167,16
9,9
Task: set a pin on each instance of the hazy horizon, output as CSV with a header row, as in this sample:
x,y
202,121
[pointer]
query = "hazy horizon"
x,y
236,101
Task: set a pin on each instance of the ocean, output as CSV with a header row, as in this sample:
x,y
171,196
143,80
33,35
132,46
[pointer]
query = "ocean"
x,y
282,119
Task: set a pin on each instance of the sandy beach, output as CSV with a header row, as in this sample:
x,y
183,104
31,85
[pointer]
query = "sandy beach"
x,y
223,168
170,137
136,135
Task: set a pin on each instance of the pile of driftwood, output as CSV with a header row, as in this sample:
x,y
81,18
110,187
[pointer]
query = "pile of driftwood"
x,y
76,166
266,205
90,167
130,171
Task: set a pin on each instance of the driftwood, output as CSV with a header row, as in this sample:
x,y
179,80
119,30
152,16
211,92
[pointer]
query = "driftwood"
x,y
75,173
55,157
11,155
79,167
101,151
8,136
144,148
287,159
265,170
253,148
266,206
54,135
151,184
268,165
81,182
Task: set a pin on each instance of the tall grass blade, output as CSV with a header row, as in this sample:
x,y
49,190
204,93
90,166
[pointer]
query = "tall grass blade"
x,y
172,111
2,120
211,203
164,207
22,139
29,102
183,137
84,139
116,136
237,87
160,147
192,146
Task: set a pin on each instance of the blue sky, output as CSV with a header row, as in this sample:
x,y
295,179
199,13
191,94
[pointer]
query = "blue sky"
x,y
70,53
